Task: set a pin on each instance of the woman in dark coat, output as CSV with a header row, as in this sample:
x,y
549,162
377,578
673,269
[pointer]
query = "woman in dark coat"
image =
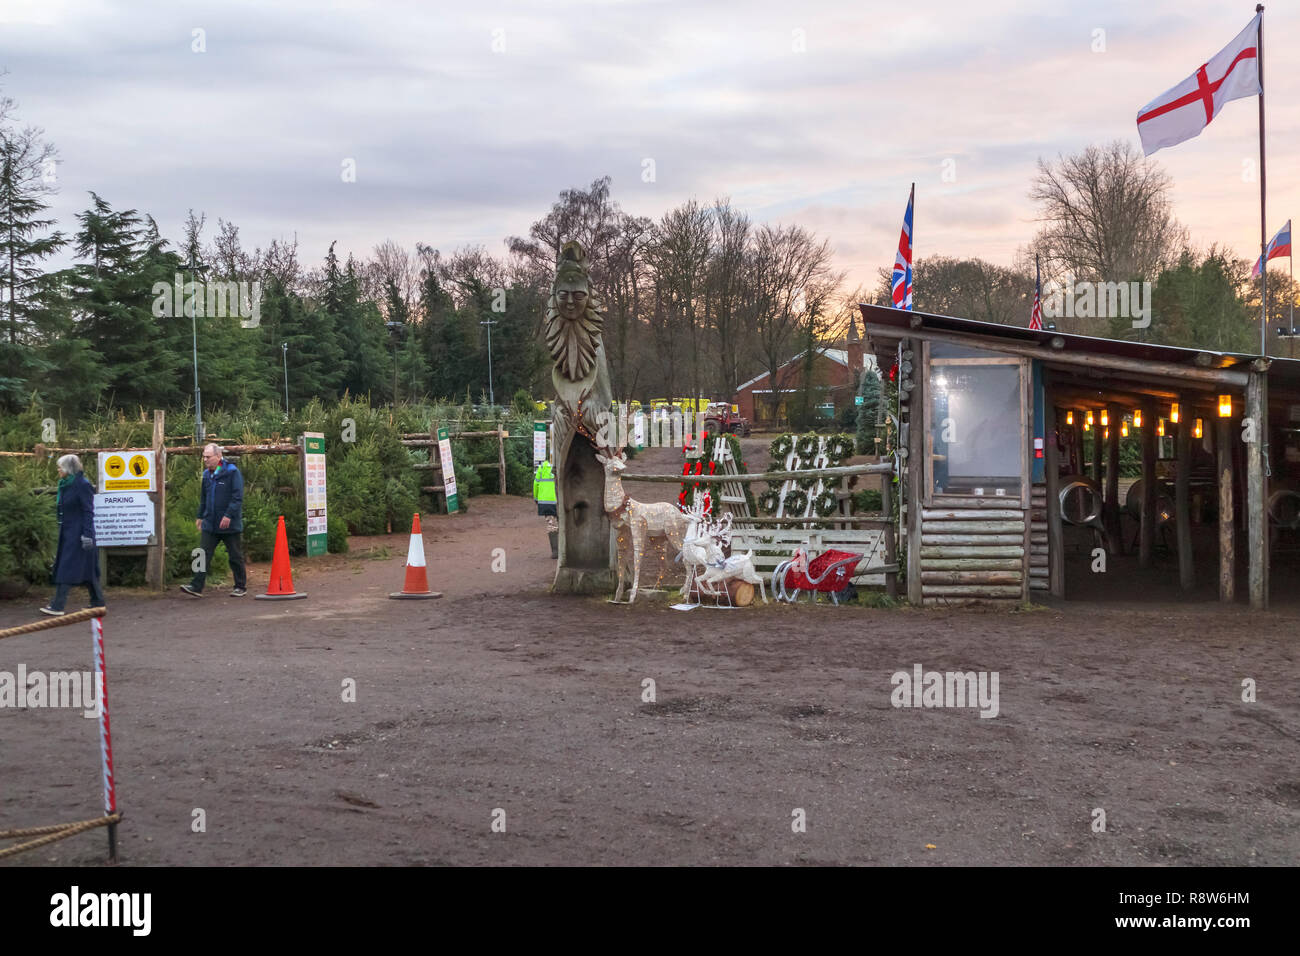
x,y
76,561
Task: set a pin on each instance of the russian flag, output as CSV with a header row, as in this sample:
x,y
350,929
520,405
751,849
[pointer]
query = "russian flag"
x,y
1278,247
901,281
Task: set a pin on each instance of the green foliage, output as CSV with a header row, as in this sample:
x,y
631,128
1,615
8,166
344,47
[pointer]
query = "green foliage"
x,y
866,501
337,535
31,531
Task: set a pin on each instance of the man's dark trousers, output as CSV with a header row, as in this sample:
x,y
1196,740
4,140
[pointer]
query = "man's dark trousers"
x,y
208,542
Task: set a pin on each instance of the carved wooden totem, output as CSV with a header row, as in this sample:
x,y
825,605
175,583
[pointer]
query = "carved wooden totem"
x,y
572,328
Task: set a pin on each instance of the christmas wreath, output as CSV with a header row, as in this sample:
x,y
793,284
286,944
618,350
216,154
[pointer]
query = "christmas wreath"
x,y
806,446
781,446
839,447
826,504
834,482
796,501
806,483
768,501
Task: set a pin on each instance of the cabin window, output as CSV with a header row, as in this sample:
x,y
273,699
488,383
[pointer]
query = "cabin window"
x,y
977,422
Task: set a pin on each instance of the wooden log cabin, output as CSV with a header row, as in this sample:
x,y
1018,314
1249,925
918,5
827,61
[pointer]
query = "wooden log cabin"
x,y
1039,462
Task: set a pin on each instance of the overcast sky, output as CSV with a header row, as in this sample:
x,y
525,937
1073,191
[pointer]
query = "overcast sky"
x,y
466,119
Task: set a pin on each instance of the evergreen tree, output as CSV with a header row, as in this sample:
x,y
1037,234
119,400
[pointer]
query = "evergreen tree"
x,y
24,242
114,298
359,328
868,413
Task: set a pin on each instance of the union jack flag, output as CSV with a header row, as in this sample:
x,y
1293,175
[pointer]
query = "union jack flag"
x,y
1036,317
901,282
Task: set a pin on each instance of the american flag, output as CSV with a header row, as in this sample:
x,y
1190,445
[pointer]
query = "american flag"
x,y
1036,317
901,284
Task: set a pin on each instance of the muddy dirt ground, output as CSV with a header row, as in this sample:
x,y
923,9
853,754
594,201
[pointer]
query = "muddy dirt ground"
x,y
501,697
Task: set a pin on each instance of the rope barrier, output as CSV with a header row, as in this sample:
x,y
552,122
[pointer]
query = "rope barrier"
x,y
54,833
49,834
73,618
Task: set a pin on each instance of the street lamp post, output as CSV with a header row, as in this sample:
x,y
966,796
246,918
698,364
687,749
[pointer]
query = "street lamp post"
x,y
491,395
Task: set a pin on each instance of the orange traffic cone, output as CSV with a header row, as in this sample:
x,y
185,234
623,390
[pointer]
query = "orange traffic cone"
x,y
417,576
280,587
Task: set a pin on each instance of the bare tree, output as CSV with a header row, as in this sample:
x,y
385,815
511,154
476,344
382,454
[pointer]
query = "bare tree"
x,y
793,280
726,279
1106,215
393,280
680,255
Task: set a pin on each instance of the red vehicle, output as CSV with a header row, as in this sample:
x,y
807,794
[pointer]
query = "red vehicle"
x,y
722,417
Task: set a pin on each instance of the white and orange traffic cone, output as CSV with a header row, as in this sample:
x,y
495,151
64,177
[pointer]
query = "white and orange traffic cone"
x,y
417,575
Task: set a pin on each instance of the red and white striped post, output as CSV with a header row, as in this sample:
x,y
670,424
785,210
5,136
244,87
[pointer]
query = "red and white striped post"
x,y
105,737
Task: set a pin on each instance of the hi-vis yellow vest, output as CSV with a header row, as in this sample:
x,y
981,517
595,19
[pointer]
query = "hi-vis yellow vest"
x,y
544,483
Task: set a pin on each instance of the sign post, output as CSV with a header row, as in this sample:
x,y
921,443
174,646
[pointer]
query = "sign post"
x,y
448,470
313,473
539,443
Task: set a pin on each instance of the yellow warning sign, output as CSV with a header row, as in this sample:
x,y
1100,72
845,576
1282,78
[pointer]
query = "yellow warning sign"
x,y
126,471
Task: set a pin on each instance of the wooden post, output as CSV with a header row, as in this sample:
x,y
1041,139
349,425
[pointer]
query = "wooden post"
x,y
156,561
1227,539
916,470
1256,510
1110,506
1148,531
433,457
1078,442
1183,503
1055,537
501,457
891,542
1096,450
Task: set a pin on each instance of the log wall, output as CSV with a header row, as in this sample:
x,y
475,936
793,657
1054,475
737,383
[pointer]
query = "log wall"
x,y
973,550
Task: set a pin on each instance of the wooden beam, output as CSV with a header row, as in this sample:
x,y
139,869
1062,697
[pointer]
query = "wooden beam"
x,y
155,562
1097,360
883,468
1078,441
891,541
1183,501
1227,532
1096,433
1110,504
1148,530
1256,509
1055,533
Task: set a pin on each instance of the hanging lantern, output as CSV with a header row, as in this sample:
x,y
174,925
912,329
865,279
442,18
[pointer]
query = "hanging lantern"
x,y
1088,419
1160,427
1069,418
1173,413
1137,418
1123,429
1225,406
1105,435
1105,419
1197,431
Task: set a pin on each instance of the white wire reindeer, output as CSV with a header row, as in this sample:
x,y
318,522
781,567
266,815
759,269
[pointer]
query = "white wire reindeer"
x,y
708,569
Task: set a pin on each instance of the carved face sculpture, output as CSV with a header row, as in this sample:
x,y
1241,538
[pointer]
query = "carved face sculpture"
x,y
573,317
571,297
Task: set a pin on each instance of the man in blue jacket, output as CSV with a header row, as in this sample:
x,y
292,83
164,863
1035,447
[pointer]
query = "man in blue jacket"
x,y
220,519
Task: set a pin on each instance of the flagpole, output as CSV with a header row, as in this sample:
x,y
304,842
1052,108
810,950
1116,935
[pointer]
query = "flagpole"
x,y
1263,229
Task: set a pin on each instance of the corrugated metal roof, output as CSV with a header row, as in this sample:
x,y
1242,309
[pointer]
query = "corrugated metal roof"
x,y
1282,368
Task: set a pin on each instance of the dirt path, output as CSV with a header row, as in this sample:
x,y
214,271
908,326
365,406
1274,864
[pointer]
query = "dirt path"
x,y
501,696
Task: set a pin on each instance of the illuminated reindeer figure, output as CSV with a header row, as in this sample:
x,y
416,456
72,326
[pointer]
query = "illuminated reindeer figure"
x,y
643,520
